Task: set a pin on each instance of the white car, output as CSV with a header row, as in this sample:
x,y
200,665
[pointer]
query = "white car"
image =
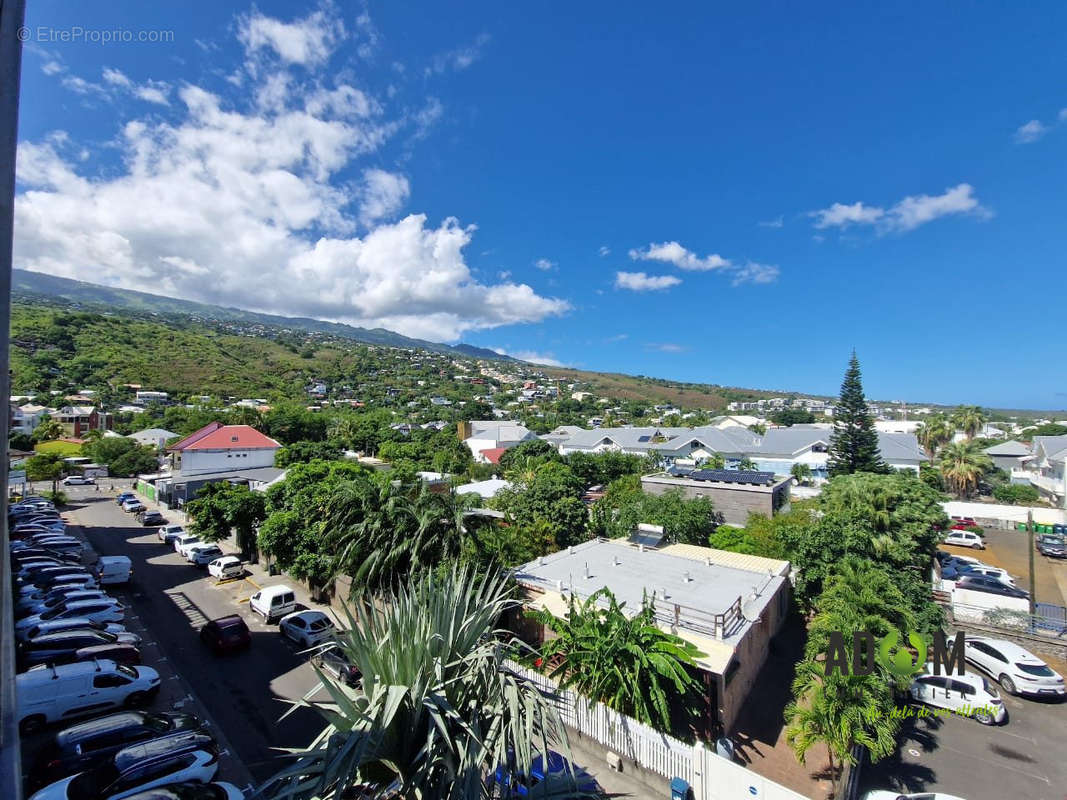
x,y
226,567
306,628
969,694
991,572
168,533
964,539
77,480
105,609
184,542
203,554
1016,669
890,794
133,505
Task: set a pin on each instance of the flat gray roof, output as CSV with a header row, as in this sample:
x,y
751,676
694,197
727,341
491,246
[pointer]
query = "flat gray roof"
x,y
630,574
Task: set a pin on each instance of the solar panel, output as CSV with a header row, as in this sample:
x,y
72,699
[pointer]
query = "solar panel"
x,y
733,476
644,438
647,538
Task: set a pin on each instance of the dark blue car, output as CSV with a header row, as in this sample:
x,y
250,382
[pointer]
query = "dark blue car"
x,y
513,785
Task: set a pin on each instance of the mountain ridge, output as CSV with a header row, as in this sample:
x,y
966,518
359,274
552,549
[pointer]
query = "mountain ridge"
x,y
26,283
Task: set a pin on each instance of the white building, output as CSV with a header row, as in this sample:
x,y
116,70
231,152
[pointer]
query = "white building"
x,y
141,398
482,435
218,448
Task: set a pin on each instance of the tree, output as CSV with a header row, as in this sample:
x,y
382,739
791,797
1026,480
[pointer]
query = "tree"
x,y
969,419
221,507
962,466
1014,494
802,472
45,467
437,708
840,711
20,441
934,432
625,662
304,451
48,429
746,464
547,492
792,416
603,468
528,452
853,443
122,456
758,428
715,461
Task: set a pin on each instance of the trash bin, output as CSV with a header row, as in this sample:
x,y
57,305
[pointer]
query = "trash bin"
x,y
1020,526
680,789
725,748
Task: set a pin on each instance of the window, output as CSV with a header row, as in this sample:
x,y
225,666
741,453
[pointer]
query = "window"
x,y
109,681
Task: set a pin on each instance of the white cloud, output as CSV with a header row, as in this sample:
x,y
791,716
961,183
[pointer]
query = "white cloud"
x,y
504,274
674,253
752,272
777,222
604,250
383,194
545,359
1030,132
906,215
116,78
308,42
640,282
460,58
51,68
250,206
1062,116
545,265
666,347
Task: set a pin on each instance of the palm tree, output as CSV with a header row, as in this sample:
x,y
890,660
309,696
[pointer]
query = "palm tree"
x,y
934,432
802,472
969,419
840,711
437,707
963,465
625,662
746,464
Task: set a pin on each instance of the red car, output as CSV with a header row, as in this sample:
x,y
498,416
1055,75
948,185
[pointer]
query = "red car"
x,y
226,634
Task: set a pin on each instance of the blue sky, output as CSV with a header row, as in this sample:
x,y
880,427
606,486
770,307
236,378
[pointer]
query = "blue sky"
x,y
733,195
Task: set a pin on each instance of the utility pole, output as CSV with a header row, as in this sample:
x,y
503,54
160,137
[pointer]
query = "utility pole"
x,y
1030,539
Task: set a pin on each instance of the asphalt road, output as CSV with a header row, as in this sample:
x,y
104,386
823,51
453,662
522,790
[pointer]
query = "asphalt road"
x,y
1021,758
245,693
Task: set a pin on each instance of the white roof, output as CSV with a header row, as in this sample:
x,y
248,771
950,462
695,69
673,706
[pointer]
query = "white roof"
x,y
484,489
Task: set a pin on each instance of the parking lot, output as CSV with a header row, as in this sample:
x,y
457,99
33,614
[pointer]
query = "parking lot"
x,y
243,694
960,757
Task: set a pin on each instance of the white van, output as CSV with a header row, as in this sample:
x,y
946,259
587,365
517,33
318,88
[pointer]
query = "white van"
x,y
52,694
273,602
113,569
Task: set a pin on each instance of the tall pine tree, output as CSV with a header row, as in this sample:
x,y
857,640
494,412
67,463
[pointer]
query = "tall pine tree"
x,y
854,442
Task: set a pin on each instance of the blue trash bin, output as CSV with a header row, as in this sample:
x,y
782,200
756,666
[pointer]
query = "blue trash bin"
x,y
680,789
1059,528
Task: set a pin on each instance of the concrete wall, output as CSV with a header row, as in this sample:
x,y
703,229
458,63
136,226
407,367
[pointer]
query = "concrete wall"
x,y
194,461
734,503
751,653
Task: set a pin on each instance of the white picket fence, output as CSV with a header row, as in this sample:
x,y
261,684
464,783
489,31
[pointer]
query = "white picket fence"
x,y
711,776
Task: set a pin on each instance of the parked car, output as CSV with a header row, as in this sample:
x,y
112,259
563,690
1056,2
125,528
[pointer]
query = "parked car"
x,y
514,784
48,597
113,569
306,628
152,518
969,693
28,553
72,576
273,602
29,606
86,744
893,794
1016,669
226,567
203,554
124,496
226,634
102,609
217,790
168,533
980,583
964,539
1051,545
184,542
63,647
78,480
120,653
133,504
59,693
74,623
333,661
963,570
965,521
177,757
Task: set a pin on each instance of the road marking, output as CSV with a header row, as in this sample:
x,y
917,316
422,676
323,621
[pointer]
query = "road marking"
x,y
244,600
249,579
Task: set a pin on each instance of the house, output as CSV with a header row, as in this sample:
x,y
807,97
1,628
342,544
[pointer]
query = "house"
x,y
669,443
143,398
440,401
1008,456
79,420
484,489
1046,467
154,437
491,435
26,418
217,447
780,448
735,494
728,605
